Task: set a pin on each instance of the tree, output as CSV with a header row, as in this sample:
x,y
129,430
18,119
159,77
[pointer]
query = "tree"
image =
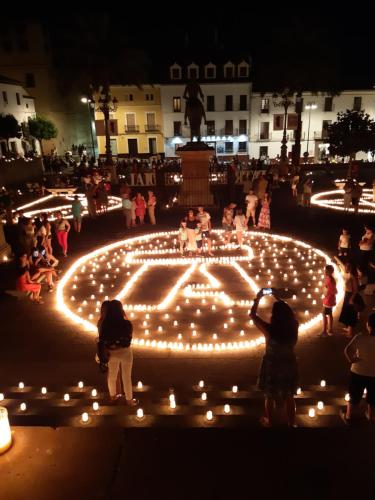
x,y
42,129
353,131
9,128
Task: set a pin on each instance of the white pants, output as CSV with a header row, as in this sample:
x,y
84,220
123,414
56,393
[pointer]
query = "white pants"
x,y
121,358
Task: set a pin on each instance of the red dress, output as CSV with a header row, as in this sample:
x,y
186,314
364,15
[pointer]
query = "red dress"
x,y
24,286
140,207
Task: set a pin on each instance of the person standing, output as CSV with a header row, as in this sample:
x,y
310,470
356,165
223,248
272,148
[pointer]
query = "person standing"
x,y
349,316
127,209
278,377
115,338
366,246
90,195
329,301
251,205
356,196
205,220
360,352
151,203
77,210
264,220
62,228
240,223
227,222
140,208
344,244
191,224
182,236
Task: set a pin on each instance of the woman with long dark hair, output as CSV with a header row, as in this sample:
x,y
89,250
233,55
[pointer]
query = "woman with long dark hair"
x,y
278,376
115,337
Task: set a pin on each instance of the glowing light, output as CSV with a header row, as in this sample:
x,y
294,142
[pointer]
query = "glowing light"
x,y
43,390
66,397
209,415
23,407
140,413
226,408
320,405
84,417
80,385
311,412
323,383
5,433
95,406
21,385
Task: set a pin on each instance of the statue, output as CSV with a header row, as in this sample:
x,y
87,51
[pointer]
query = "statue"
x,y
194,109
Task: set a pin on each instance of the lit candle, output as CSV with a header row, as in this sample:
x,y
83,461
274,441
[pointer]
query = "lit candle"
x,y
66,397
201,383
204,396
2,396
311,413
235,389
209,415
299,391
94,393
320,405
23,406
85,417
44,390
21,385
227,408
323,383
95,406
140,413
80,385
5,433
140,385
347,397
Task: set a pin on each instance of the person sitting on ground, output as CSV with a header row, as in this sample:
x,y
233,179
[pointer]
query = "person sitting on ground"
x,y
278,376
115,337
360,352
329,301
39,265
26,284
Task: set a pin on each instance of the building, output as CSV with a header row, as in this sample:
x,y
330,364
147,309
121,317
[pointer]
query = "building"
x,y
26,56
136,127
227,91
15,100
319,111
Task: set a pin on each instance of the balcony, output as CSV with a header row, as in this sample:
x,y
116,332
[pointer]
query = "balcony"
x,y
152,128
131,129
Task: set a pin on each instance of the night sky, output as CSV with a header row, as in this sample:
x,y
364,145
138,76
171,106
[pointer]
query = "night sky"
x,y
312,45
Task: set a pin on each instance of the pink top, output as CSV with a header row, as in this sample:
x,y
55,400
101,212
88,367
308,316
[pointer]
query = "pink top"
x,y
330,292
140,206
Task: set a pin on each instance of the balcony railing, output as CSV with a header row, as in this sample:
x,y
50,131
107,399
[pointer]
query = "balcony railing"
x,y
152,128
131,129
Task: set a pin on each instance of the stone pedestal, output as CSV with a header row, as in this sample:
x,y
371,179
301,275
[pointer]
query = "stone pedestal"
x,y
5,250
195,188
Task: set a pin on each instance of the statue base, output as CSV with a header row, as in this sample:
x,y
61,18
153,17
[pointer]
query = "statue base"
x,y
195,188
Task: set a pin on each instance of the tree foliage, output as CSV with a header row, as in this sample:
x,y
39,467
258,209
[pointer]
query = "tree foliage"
x,y
9,127
42,129
353,131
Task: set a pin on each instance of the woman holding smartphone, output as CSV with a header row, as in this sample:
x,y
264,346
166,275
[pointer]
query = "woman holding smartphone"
x,y
278,376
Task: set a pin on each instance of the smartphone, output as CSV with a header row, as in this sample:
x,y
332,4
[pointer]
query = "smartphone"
x,y
267,291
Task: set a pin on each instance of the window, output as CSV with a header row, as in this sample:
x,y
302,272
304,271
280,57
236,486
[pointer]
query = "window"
x,y
176,73
265,105
328,103
149,97
211,127
325,127
128,97
152,146
242,129
210,103
5,97
278,122
113,127
133,147
193,73
264,133
18,98
357,104
263,151
291,123
243,102
177,128
30,80
228,103
210,72
177,104
229,72
243,71
228,127
242,147
229,147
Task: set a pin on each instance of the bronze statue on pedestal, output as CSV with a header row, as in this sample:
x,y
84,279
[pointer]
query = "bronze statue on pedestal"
x,y
194,110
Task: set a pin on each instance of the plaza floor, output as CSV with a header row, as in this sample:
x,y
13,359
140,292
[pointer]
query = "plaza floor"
x,y
228,459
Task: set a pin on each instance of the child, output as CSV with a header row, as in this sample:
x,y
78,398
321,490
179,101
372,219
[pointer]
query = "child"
x,y
344,243
182,237
240,223
198,238
329,301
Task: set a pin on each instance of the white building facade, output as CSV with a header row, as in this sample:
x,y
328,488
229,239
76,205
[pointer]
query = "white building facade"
x,y
319,111
14,100
227,93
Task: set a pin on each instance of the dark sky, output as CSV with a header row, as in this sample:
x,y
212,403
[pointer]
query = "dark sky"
x,y
316,44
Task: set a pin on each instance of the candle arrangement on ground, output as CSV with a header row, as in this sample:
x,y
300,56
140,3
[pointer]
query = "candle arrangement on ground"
x,y
334,200
196,304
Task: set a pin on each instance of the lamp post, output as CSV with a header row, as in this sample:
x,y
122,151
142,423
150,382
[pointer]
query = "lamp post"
x,y
90,106
309,107
284,103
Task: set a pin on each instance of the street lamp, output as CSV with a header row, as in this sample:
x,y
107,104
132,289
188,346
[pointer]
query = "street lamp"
x,y
309,107
284,103
90,106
